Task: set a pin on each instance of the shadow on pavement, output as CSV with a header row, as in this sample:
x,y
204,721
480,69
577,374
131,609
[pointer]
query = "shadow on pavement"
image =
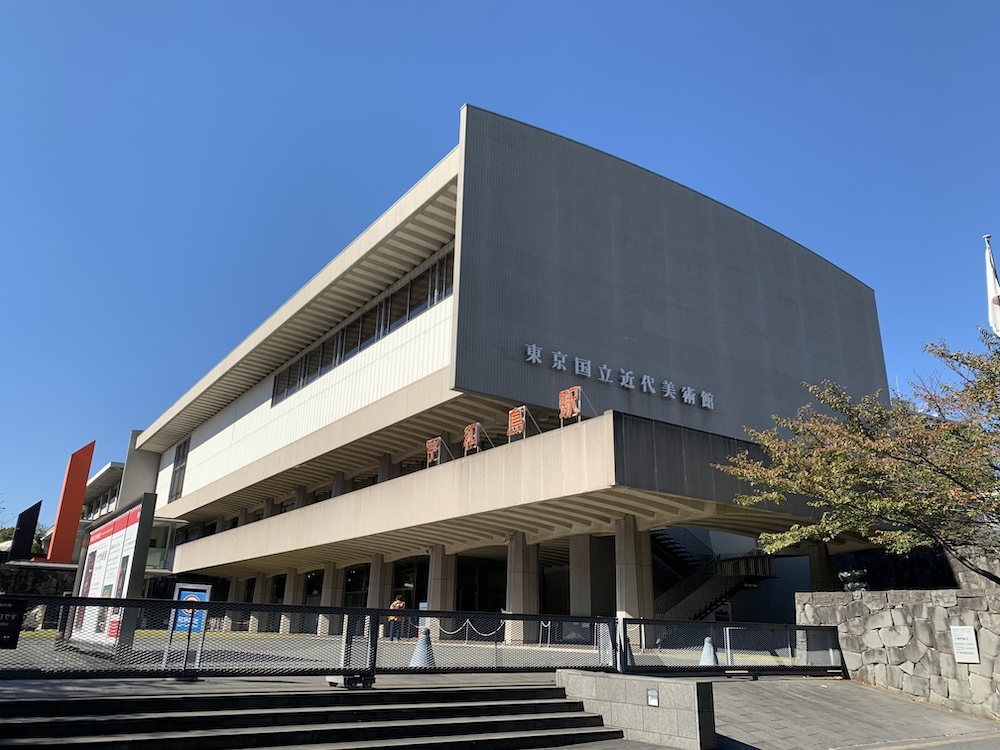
x,y
728,743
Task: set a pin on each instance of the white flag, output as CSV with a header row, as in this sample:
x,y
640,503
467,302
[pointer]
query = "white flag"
x,y
992,289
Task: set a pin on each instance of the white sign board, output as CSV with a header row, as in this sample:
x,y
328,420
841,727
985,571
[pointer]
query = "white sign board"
x,y
963,640
106,575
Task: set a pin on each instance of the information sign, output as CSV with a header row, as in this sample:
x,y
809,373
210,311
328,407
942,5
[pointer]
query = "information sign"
x,y
11,617
963,641
191,620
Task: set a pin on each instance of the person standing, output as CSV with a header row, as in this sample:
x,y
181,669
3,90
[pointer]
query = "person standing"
x,y
396,620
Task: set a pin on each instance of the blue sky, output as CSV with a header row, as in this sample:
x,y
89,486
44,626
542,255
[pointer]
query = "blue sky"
x,y
170,173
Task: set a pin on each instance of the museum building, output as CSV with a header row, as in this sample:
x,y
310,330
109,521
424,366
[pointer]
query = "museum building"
x,y
508,393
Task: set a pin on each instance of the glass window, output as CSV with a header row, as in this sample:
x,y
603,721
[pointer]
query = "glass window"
x,y
312,364
398,306
419,291
180,466
369,327
280,384
327,356
352,336
449,273
293,378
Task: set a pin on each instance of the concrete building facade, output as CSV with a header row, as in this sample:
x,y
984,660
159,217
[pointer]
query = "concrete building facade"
x,y
521,265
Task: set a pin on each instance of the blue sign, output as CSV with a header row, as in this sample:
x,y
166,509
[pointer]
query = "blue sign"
x,y
190,620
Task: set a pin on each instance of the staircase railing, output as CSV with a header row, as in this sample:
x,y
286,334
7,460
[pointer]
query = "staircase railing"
x,y
697,594
688,543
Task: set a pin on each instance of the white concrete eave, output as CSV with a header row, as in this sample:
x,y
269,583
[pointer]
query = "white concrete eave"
x,y
414,228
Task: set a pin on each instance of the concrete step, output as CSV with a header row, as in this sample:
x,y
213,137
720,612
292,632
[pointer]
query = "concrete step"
x,y
165,704
141,723
609,737
344,734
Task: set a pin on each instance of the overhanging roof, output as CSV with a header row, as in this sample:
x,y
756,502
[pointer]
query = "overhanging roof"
x,y
414,228
109,476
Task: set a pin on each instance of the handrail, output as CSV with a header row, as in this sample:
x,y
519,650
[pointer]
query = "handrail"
x,y
688,541
715,581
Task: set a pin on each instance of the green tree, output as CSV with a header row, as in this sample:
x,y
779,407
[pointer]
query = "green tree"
x,y
920,473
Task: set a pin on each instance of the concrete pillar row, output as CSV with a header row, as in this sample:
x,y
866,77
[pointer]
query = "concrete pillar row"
x,y
387,469
338,485
379,585
580,598
822,567
232,597
332,595
522,588
295,589
442,579
633,569
259,596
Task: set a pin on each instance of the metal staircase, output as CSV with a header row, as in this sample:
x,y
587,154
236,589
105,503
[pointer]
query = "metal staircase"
x,y
707,580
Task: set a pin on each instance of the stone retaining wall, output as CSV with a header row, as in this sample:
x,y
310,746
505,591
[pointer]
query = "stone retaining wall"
x,y
901,640
35,581
683,717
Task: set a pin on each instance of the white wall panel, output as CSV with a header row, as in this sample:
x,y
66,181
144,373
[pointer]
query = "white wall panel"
x,y
250,428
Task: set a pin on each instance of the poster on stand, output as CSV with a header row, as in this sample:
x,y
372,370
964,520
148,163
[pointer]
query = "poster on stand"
x,y
113,563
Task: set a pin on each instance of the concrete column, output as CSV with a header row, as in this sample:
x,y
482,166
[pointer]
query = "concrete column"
x,y
379,585
338,486
387,469
332,595
442,578
243,517
522,588
259,596
269,509
234,596
580,584
295,584
633,569
822,567
300,498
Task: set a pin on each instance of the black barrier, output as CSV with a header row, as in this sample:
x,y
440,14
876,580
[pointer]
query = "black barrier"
x,y
11,619
728,648
74,637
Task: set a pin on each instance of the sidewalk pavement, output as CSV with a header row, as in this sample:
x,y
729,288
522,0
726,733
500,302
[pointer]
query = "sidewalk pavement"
x,y
796,713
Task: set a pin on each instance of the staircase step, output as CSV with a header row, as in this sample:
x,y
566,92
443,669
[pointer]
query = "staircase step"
x,y
139,723
487,741
289,736
45,707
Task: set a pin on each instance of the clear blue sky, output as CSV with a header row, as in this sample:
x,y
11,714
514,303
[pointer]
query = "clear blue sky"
x,y
170,173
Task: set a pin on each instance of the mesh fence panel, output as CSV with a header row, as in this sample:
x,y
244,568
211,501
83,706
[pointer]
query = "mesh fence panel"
x,y
746,646
63,637
466,641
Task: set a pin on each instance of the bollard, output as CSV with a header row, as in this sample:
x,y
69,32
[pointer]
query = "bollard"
x,y
423,654
708,658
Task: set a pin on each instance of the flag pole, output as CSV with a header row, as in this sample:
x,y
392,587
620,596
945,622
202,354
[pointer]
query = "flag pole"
x,y
992,288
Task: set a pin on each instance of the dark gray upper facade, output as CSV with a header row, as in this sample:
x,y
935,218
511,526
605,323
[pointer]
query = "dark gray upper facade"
x,y
583,254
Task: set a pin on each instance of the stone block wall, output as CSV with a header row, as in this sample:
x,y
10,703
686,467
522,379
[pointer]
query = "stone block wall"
x,y
35,581
901,640
684,717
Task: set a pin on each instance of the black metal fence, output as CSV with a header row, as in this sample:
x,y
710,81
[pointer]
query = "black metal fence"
x,y
74,637
678,646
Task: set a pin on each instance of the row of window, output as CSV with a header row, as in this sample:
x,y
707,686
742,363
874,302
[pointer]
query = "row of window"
x,y
180,468
106,503
384,316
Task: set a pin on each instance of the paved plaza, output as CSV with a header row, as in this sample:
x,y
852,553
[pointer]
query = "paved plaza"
x,y
768,714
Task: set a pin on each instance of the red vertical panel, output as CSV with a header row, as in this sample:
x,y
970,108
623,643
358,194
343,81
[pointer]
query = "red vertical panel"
x,y
70,506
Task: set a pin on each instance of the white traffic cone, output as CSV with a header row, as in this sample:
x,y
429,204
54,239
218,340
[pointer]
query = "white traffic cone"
x,y
423,654
708,657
